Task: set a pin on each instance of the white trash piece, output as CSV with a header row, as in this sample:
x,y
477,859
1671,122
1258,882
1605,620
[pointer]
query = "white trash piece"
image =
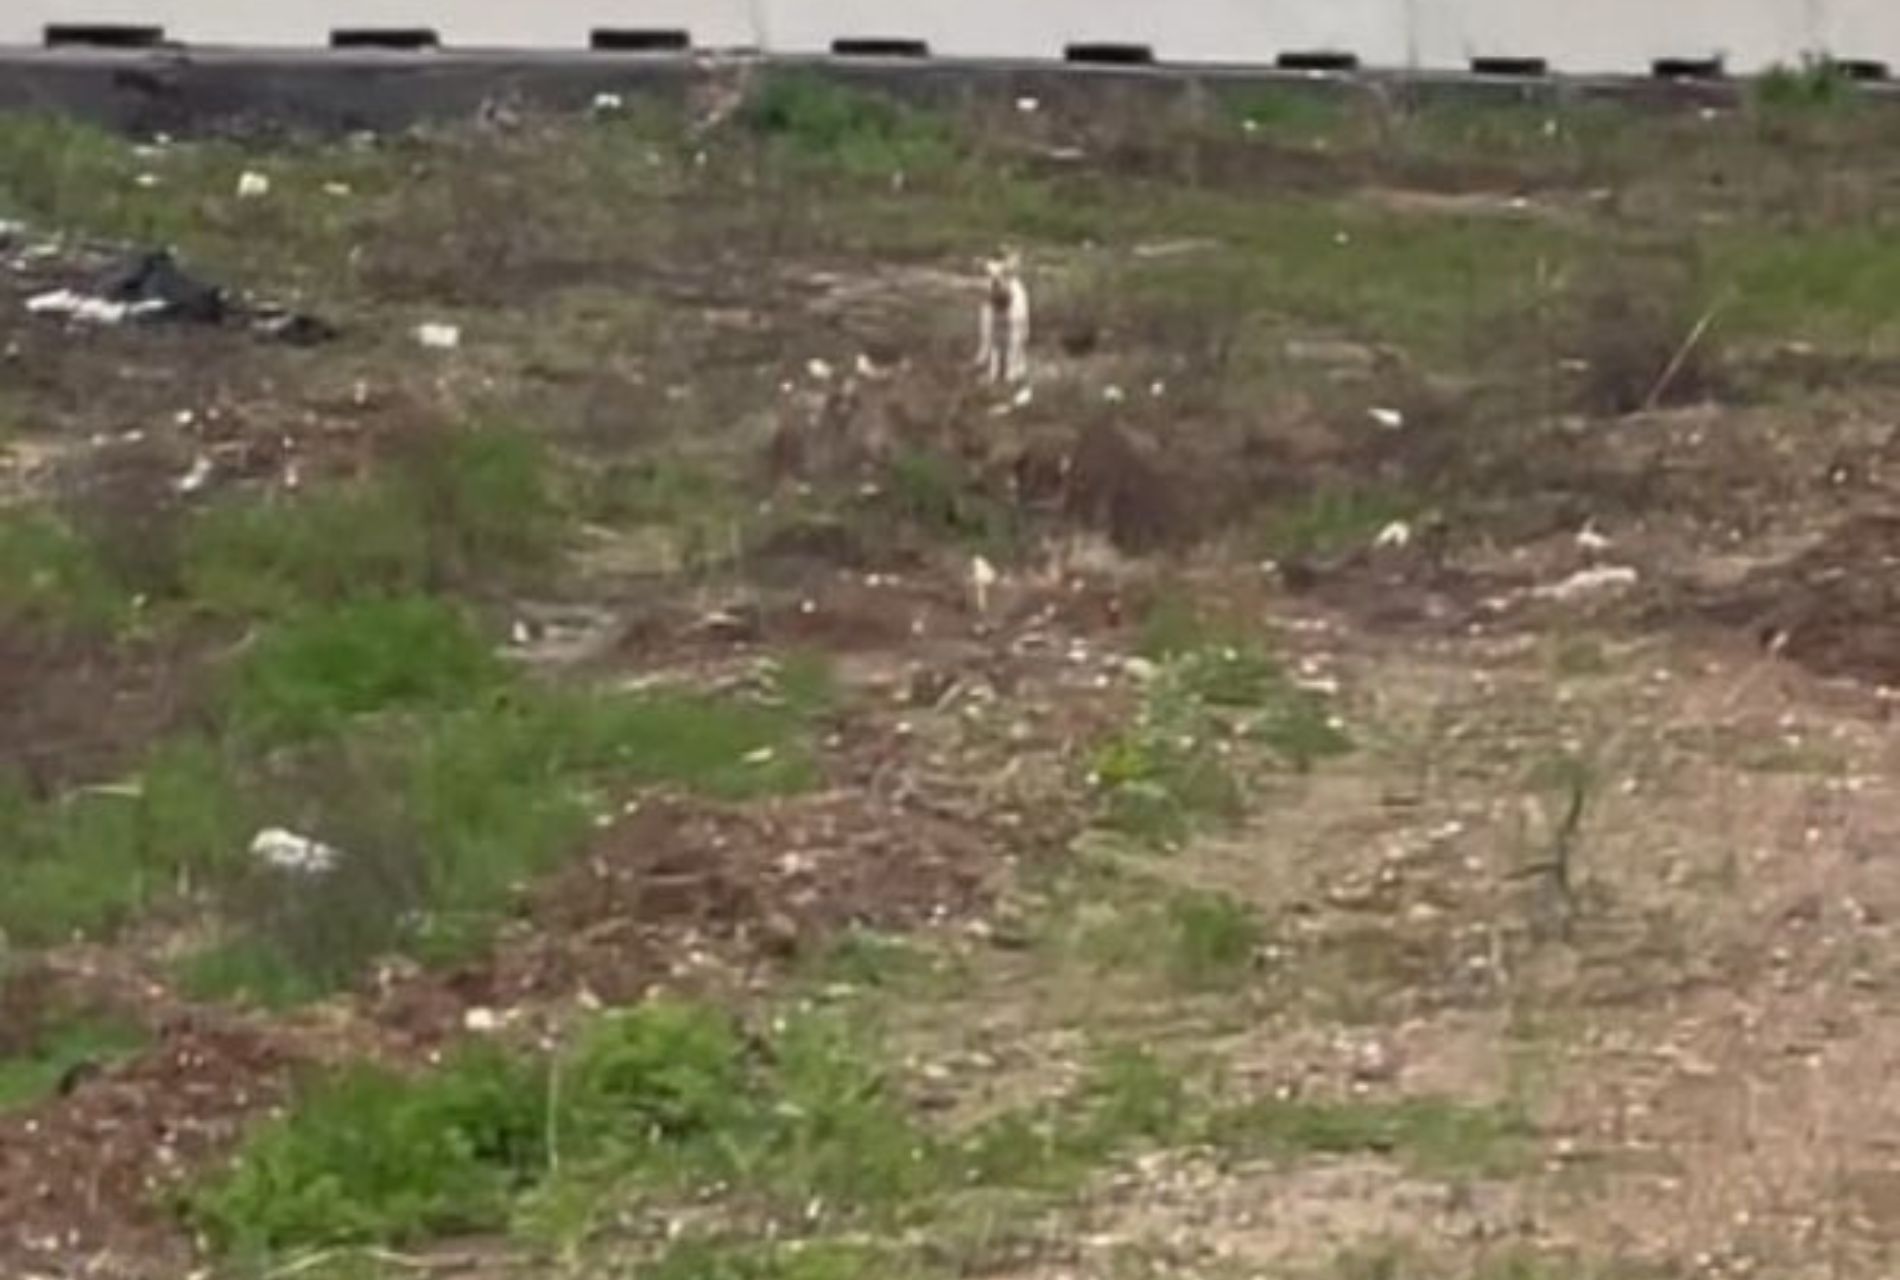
x,y
439,337
1396,534
252,185
196,478
1390,419
87,309
1609,577
983,576
288,851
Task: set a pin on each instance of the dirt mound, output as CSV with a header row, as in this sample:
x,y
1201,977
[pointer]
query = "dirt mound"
x,y
1117,487
1835,608
83,1176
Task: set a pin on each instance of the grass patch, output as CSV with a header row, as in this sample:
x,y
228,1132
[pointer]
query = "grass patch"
x,y
443,817
1212,939
861,133
52,577
935,494
371,1156
1172,770
1330,521
37,1071
314,672
457,507
84,862
1431,1136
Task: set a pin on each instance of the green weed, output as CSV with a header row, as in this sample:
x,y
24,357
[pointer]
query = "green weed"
x,y
457,506
1432,1136
312,673
1330,521
84,862
52,577
368,1156
1212,939
29,1075
861,133
276,557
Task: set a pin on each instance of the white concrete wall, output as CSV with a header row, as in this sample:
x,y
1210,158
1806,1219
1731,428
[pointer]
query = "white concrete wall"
x,y
1581,36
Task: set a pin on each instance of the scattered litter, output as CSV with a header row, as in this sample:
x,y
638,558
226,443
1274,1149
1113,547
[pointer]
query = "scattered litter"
x,y
336,189
196,478
481,1020
1112,394
288,851
1028,106
86,309
820,370
605,102
1174,248
1590,540
1023,397
1157,389
1589,581
439,337
982,577
1250,125
762,755
150,285
1396,534
252,185
147,180
1390,419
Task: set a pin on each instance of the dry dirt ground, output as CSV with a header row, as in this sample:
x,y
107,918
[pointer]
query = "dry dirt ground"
x,y
1613,847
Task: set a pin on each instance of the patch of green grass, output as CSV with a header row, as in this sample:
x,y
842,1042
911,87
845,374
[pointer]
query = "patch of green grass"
x,y
26,1077
700,1259
1286,114
457,506
489,498
313,672
84,862
275,557
1432,1136
805,683
1823,283
369,1156
1171,770
244,970
50,576
1329,521
867,958
648,1104
447,813
862,133
935,494
1818,84
1212,939
697,506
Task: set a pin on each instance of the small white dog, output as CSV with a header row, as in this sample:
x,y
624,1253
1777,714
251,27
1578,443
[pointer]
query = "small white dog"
x,y
1003,321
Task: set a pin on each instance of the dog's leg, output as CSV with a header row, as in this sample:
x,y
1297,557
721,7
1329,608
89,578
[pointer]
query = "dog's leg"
x,y
1018,368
